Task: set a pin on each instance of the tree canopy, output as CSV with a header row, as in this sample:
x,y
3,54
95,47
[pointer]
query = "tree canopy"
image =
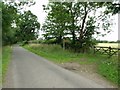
x,y
28,27
8,16
16,25
77,20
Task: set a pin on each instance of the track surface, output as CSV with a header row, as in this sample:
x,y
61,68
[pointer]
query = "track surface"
x,y
28,70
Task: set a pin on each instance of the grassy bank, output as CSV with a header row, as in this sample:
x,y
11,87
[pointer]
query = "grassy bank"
x,y
6,56
109,69
106,67
58,55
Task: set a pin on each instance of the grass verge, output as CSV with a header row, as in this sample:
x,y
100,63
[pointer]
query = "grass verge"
x,y
109,69
0,67
57,54
106,67
6,55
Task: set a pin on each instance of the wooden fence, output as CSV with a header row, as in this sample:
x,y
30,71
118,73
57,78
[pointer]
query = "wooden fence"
x,y
106,50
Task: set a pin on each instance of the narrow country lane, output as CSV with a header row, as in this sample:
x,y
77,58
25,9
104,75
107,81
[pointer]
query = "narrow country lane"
x,y
28,70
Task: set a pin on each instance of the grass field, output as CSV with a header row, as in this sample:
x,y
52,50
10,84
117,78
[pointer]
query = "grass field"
x,y
113,45
6,55
106,67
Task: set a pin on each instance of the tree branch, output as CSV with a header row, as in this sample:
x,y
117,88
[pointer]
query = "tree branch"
x,y
83,22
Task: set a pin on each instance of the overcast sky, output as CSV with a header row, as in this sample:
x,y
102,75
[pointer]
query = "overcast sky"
x,y
37,9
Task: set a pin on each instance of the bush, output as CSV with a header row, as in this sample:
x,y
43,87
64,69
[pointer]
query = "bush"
x,y
34,41
24,43
50,41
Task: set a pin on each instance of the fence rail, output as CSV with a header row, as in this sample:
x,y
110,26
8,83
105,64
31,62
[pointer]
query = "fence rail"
x,y
106,50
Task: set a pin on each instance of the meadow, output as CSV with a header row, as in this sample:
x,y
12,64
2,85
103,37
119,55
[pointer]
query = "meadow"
x,y
113,45
107,67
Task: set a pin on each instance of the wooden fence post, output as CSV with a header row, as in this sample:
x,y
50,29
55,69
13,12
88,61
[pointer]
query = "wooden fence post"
x,y
63,44
107,50
94,49
110,51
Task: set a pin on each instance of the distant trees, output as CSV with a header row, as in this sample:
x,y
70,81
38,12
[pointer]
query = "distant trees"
x,y
79,20
17,26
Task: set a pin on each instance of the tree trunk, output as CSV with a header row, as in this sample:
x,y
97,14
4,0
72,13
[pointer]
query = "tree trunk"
x,y
73,36
73,25
59,39
83,23
81,37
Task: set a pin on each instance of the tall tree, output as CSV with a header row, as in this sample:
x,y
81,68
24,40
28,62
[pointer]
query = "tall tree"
x,y
80,20
17,23
28,27
8,16
56,21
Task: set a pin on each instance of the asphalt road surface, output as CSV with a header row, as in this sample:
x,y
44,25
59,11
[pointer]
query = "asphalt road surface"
x,y
28,70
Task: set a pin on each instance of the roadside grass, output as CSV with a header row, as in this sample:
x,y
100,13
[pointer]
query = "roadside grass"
x,y
58,55
107,67
6,56
0,67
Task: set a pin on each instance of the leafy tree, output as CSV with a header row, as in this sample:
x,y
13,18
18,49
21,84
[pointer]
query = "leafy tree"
x,y
8,17
28,27
18,24
75,19
55,22
114,8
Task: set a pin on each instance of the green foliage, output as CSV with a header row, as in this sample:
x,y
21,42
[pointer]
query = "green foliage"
x,y
28,27
8,16
55,22
35,41
109,69
75,19
114,7
52,52
18,26
50,41
56,53
23,43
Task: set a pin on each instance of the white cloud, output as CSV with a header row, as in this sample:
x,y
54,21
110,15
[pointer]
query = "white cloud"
x,y
37,9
